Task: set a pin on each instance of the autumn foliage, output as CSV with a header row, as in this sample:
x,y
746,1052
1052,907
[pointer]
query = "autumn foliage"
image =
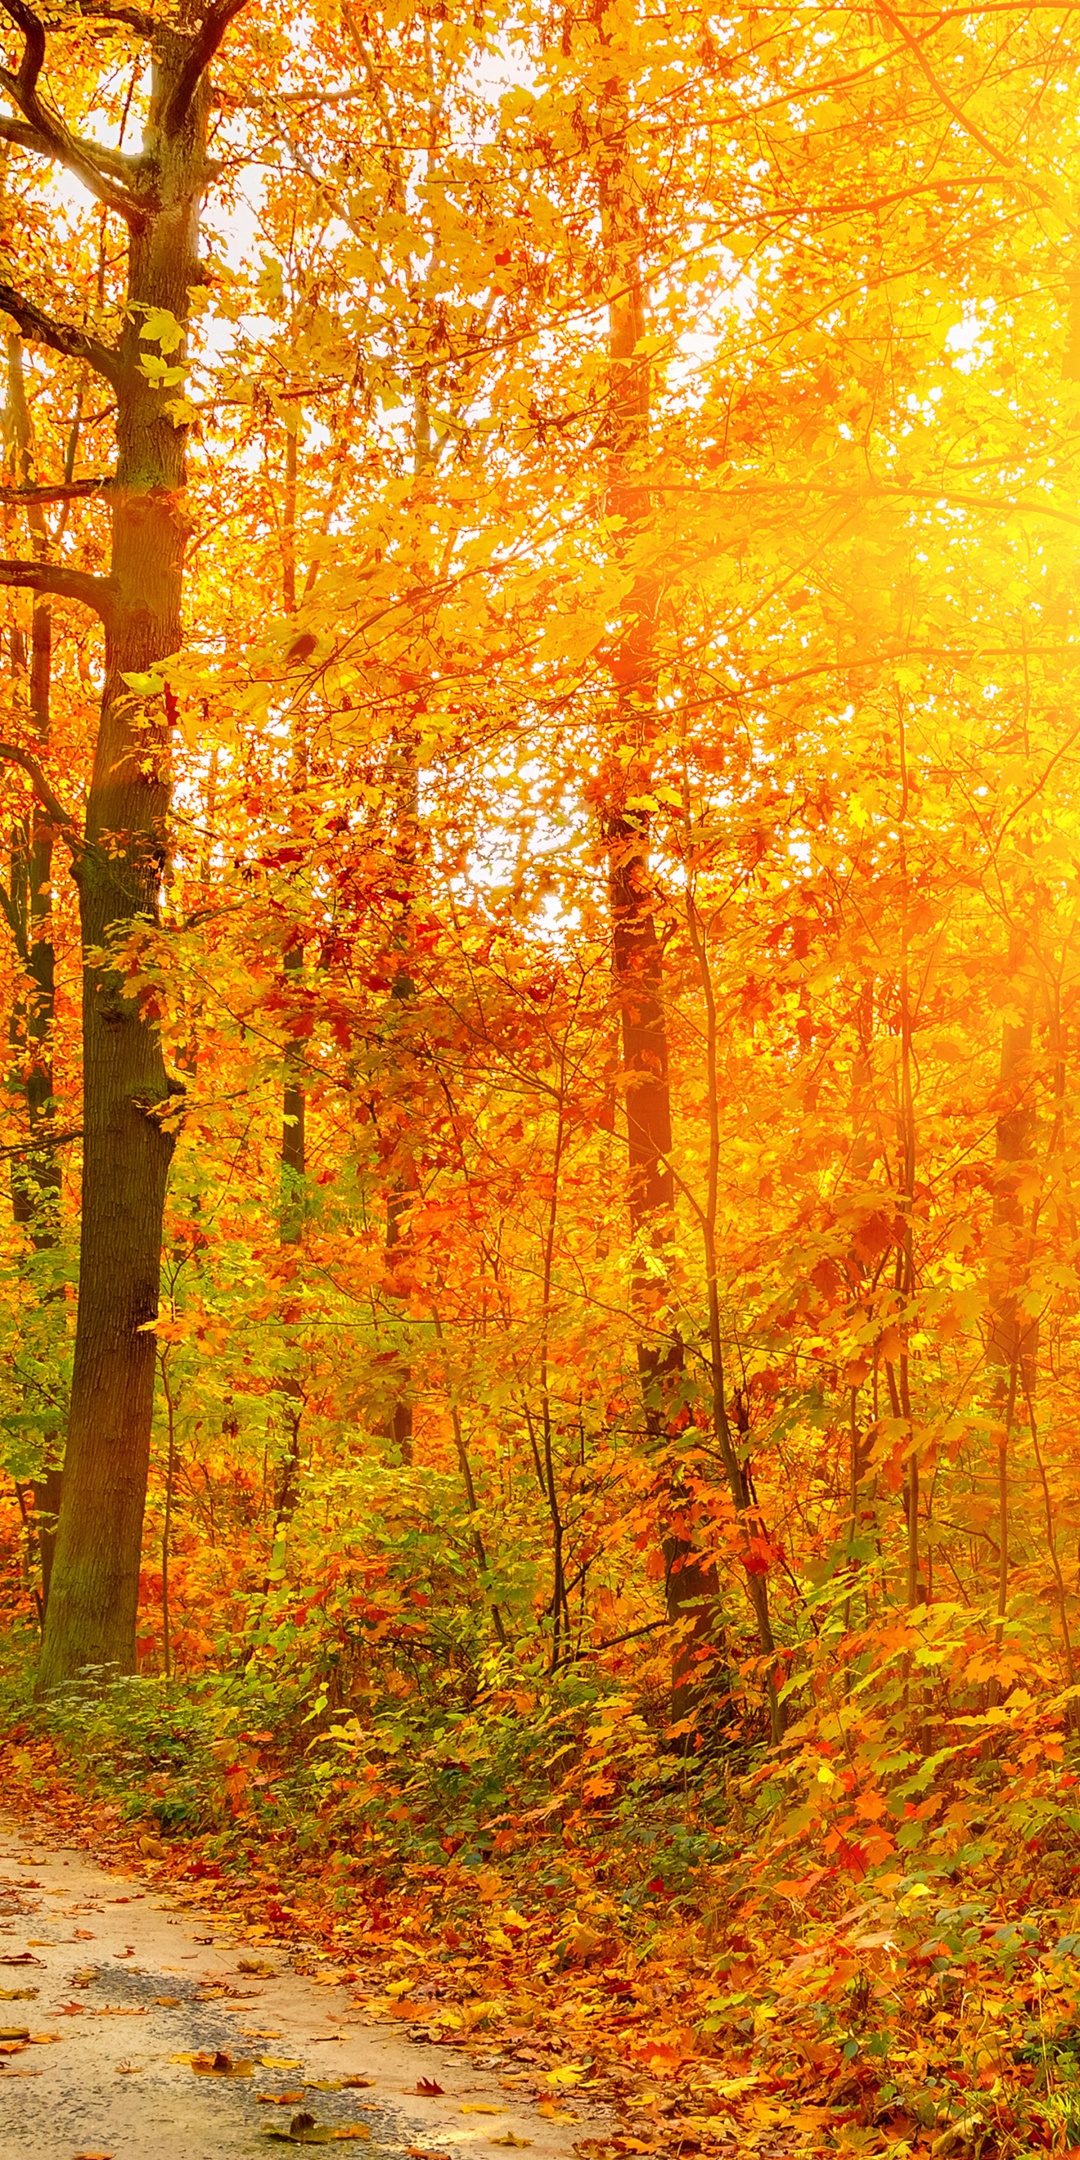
x,y
614,955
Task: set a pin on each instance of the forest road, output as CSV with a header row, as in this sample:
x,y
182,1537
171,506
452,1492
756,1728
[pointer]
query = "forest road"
x,y
105,1988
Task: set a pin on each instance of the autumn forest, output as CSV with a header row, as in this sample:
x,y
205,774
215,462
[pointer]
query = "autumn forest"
x,y
540,960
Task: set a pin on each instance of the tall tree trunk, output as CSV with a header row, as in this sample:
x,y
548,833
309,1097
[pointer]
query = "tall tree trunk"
x,y
127,1092
293,1106
1012,1345
1012,1336
637,961
35,1175
404,1181
293,1158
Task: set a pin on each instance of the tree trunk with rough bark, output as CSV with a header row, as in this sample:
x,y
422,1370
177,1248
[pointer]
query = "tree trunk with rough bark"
x,y
35,1174
118,861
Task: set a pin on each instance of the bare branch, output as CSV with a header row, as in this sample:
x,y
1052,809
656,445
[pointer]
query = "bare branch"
x,y
63,337
94,592
55,491
50,803
203,47
89,162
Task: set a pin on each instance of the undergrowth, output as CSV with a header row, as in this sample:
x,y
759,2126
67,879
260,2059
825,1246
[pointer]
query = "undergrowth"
x,y
885,1932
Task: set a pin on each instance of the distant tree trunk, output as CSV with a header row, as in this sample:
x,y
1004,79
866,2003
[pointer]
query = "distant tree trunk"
x,y
127,1092
405,812
1013,1342
293,1158
1012,1334
637,961
404,1182
293,1107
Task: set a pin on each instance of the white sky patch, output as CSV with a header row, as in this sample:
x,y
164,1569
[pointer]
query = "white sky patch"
x,y
968,337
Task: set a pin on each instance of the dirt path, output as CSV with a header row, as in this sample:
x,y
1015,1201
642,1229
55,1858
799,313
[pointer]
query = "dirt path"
x,y
103,1986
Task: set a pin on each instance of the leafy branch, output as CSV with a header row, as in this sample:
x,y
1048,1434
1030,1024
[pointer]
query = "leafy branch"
x,y
11,754
100,169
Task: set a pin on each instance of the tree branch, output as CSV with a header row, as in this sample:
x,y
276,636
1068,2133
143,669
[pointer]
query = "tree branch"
x,y
50,803
17,928
89,162
42,1140
24,137
94,592
63,337
956,112
55,491
203,47
135,18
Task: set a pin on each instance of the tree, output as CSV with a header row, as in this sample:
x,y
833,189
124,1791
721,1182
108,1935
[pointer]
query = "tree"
x,y
119,855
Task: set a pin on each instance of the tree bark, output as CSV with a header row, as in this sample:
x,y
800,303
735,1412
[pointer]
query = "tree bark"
x,y
35,1175
126,1090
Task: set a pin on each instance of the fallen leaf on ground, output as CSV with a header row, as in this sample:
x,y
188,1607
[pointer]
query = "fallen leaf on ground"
x,y
18,1994
279,2062
14,2032
510,2139
551,2113
353,2084
288,2099
92,2156
128,2069
481,2107
21,1957
167,2002
261,1967
430,2086
424,2152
